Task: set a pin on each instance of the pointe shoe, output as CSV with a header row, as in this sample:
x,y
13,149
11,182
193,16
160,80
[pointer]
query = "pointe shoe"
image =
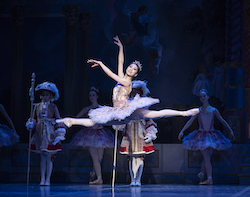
x,y
201,176
67,121
96,182
42,183
207,182
47,183
137,183
132,183
191,112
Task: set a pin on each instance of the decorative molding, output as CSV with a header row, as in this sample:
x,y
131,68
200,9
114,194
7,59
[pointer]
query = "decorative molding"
x,y
84,20
234,86
71,15
17,14
234,29
47,2
247,42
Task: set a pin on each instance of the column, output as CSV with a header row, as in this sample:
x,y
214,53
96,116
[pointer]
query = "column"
x,y
17,67
82,56
235,112
247,58
71,19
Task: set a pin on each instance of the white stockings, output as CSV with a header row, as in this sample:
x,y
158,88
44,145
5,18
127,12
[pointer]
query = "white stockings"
x,y
46,167
136,168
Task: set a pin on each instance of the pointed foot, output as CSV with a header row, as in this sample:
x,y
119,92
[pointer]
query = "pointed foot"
x,y
67,121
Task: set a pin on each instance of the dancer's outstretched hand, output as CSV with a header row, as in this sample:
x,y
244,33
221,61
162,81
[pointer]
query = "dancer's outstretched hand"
x,y
67,121
94,62
117,41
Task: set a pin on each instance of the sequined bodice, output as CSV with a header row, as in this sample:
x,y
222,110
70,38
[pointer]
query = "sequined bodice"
x,y
120,96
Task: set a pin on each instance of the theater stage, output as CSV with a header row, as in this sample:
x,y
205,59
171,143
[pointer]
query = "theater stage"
x,y
146,190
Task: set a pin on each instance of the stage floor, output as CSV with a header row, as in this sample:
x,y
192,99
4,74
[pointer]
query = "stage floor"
x,y
146,190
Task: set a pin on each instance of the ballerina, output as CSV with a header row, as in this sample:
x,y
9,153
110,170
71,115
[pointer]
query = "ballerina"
x,y
96,139
206,138
123,110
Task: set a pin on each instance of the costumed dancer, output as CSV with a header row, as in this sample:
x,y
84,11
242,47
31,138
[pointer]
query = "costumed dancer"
x,y
201,81
206,138
96,138
8,136
137,139
48,134
123,110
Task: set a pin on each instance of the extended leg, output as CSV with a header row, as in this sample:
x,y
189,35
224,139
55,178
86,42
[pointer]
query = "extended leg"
x,y
151,114
87,122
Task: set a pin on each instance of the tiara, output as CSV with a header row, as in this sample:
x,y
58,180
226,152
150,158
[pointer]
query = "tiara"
x,y
138,64
203,90
94,89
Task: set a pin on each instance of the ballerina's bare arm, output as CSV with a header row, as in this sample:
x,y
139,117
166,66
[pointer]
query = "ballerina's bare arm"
x,y
120,56
111,74
217,114
82,112
186,126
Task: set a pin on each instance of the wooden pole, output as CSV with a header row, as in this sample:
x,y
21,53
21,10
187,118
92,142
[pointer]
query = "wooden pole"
x,y
31,94
114,163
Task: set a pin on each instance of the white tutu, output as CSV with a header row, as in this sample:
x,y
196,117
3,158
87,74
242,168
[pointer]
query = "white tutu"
x,y
125,109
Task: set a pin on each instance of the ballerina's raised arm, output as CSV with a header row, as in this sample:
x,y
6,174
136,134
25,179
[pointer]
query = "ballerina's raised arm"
x,y
123,109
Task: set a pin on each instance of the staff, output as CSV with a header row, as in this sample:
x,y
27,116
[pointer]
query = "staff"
x,y
114,162
31,94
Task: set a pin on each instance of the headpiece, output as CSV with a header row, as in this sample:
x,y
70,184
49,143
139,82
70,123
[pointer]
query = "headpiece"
x,y
138,64
94,89
142,86
204,91
49,86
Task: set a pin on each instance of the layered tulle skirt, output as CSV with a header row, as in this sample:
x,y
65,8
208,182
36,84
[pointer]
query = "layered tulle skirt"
x,y
7,136
200,140
127,108
99,138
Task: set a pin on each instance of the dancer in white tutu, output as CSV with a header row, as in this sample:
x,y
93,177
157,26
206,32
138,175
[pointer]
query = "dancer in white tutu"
x,y
206,138
96,138
123,109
